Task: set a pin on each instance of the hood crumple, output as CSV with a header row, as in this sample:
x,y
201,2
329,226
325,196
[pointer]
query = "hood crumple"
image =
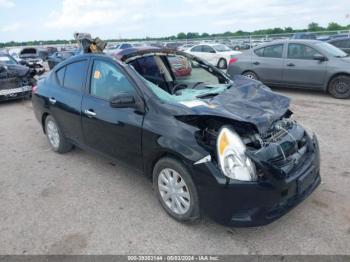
x,y
246,100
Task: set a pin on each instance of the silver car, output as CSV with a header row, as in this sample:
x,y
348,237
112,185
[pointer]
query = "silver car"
x,y
297,63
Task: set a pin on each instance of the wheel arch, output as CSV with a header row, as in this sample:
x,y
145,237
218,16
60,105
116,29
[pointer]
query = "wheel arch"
x,y
43,119
334,76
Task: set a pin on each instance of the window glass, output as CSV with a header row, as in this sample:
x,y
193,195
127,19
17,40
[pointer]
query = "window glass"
x,y
197,48
74,76
107,81
208,49
259,52
300,51
222,48
274,51
60,75
189,71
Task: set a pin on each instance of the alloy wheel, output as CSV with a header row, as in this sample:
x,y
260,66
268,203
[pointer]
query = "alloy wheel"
x,y
52,133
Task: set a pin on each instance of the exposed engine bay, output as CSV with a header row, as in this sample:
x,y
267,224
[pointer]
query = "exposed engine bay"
x,y
282,146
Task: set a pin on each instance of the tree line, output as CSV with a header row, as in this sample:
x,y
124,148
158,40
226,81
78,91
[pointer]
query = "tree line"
x,y
312,27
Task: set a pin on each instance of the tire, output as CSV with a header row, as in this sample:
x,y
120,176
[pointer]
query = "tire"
x,y
222,64
339,87
55,136
250,75
183,203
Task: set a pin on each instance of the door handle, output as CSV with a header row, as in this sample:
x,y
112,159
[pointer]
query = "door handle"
x,y
290,64
90,113
256,63
52,100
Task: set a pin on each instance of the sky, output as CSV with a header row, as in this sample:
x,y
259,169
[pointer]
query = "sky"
x,y
23,20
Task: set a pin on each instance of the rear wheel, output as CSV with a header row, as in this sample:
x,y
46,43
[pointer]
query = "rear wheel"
x,y
55,136
339,87
250,75
222,64
176,190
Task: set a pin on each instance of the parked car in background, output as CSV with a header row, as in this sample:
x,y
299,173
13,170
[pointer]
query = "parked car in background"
x,y
216,54
210,145
297,63
116,48
304,35
34,57
58,57
240,45
16,80
180,66
342,43
172,45
185,47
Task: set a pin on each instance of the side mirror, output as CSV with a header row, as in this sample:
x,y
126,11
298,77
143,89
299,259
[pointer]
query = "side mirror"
x,y
212,51
320,57
123,100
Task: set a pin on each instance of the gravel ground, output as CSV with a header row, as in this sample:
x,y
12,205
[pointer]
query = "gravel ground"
x,y
78,203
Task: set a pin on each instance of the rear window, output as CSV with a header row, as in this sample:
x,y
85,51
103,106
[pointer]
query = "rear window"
x,y
28,51
74,75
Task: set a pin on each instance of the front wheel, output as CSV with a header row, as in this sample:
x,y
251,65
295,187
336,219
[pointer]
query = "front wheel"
x,y
250,75
55,136
339,87
176,190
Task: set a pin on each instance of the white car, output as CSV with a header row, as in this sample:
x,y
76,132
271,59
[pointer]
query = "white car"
x,y
217,54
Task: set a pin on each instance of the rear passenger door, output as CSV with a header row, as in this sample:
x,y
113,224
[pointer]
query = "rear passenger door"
x,y
301,69
267,63
66,96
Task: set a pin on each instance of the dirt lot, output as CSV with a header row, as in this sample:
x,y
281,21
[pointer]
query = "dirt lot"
x,y
82,204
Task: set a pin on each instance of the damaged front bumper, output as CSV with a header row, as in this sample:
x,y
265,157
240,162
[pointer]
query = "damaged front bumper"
x,y
239,203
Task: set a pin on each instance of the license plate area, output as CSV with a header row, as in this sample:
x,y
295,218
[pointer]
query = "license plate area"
x,y
13,91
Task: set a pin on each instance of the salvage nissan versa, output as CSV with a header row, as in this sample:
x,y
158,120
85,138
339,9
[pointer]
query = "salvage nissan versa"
x,y
229,149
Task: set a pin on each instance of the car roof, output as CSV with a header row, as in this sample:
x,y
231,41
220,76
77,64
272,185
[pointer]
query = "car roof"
x,y
301,41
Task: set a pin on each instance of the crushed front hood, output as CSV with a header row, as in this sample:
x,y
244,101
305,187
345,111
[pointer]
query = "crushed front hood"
x,y
247,100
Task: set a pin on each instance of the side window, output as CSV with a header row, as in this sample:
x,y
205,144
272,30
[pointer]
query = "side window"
x,y
60,75
208,49
300,51
108,81
197,48
74,76
259,52
274,51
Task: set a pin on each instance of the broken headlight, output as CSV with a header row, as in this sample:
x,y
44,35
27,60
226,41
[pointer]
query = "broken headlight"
x,y
232,158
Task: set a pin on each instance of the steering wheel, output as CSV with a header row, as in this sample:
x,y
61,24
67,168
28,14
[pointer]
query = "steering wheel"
x,y
178,87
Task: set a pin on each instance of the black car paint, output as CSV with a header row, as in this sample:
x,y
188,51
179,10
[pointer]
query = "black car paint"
x,y
141,136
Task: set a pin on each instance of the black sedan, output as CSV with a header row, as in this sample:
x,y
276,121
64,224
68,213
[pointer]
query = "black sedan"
x,y
228,149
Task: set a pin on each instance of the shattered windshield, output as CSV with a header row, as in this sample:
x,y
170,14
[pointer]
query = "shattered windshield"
x,y
177,78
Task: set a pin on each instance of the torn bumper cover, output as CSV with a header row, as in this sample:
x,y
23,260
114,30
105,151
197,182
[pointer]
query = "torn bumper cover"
x,y
238,203
16,82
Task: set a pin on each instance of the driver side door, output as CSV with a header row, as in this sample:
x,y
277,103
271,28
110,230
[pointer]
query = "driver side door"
x,y
115,132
